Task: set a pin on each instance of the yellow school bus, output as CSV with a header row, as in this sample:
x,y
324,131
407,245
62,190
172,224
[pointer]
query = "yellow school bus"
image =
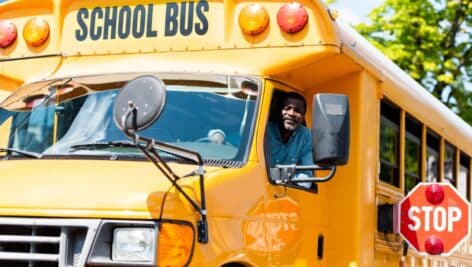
x,y
134,134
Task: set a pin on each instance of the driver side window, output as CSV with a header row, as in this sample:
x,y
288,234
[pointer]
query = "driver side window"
x,y
287,139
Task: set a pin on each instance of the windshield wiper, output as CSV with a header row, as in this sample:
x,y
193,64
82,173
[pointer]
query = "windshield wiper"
x,y
22,152
102,145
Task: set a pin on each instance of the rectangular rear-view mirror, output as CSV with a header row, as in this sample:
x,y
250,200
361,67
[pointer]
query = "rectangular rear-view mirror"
x,y
330,129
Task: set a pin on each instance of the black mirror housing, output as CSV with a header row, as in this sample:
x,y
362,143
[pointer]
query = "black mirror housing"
x,y
330,129
146,96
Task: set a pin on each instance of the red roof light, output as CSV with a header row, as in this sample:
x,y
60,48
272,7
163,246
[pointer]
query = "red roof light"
x,y
292,17
8,33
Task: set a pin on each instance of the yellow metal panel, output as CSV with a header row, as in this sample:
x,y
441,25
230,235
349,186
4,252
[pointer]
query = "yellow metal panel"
x,y
101,189
7,85
5,133
179,26
351,199
223,46
19,12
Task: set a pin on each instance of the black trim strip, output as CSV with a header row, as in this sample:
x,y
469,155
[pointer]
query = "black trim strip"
x,y
32,57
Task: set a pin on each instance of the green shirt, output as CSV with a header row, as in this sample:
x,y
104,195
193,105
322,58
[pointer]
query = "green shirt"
x,y
298,149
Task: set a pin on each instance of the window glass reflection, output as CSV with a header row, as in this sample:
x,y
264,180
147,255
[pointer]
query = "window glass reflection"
x,y
412,153
449,164
464,174
389,144
432,157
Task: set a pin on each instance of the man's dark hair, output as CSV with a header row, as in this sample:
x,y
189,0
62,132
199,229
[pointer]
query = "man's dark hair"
x,y
276,107
298,96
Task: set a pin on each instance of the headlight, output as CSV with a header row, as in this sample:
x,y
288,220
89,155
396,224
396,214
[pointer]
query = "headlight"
x,y
133,244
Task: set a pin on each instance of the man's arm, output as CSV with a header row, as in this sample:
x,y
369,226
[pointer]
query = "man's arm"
x,y
306,154
306,158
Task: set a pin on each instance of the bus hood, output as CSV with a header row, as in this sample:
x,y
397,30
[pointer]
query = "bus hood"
x,y
83,188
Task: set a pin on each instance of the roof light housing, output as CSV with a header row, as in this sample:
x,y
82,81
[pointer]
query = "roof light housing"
x,y
36,32
292,17
253,19
8,33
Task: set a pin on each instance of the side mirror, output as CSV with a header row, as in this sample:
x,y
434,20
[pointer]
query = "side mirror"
x,y
145,96
330,129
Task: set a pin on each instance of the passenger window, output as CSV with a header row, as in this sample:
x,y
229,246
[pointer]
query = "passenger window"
x,y
389,143
464,174
412,153
432,157
449,164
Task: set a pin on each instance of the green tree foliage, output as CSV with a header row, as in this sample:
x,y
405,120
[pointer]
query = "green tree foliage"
x,y
432,41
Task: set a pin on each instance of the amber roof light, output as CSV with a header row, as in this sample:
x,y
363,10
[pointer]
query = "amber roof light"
x,y
253,19
36,31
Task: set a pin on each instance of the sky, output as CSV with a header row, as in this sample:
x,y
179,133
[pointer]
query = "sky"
x,y
355,11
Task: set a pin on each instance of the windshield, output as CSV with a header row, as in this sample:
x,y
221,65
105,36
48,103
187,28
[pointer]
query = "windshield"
x,y
212,115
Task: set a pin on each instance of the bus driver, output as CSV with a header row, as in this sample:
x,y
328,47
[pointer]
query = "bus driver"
x,y
290,141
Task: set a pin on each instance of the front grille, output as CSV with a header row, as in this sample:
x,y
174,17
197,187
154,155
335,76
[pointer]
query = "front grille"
x,y
45,242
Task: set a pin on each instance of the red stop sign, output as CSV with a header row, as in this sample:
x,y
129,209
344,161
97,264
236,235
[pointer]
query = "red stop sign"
x,y
434,218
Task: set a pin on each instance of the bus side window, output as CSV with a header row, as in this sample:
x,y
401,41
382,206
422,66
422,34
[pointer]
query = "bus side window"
x,y
450,164
389,143
432,157
412,153
464,176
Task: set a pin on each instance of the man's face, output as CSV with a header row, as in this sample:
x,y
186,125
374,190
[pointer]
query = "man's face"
x,y
292,114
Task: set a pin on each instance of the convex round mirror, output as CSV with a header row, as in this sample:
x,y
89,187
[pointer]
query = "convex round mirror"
x,y
148,95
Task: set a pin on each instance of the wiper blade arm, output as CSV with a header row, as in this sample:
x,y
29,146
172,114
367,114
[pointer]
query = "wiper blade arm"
x,y
163,148
92,146
22,152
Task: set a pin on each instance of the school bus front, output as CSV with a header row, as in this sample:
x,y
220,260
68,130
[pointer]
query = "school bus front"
x,y
133,133
189,184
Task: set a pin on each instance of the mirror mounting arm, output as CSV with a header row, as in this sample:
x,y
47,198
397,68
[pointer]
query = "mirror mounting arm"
x,y
284,174
149,149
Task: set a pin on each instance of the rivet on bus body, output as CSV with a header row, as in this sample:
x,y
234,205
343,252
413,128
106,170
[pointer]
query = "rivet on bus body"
x,y
8,33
